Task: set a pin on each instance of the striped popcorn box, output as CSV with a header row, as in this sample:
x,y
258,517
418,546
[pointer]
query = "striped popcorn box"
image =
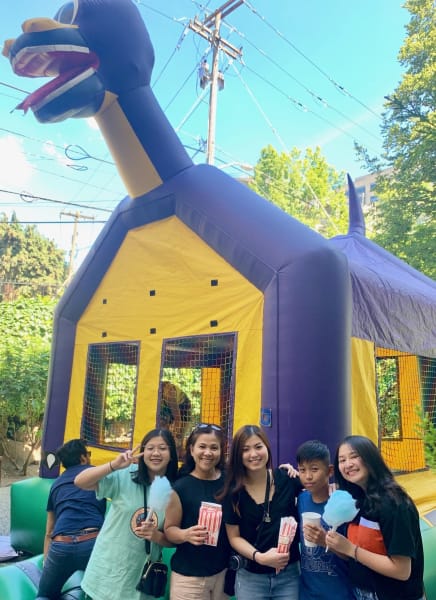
x,y
288,527
210,516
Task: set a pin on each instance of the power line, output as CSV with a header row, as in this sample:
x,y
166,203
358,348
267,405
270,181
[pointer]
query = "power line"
x,y
339,87
313,94
299,105
59,222
262,112
180,88
13,87
162,14
63,202
178,45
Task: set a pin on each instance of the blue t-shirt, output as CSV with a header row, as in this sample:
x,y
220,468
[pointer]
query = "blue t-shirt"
x,y
74,509
323,574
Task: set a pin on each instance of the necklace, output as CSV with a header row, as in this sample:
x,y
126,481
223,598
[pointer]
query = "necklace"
x,y
266,516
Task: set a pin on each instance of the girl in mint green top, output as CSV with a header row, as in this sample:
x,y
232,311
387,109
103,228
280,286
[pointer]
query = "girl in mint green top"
x,y
119,553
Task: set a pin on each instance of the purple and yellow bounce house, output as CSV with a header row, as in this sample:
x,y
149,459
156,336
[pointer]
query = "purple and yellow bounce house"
x,y
201,301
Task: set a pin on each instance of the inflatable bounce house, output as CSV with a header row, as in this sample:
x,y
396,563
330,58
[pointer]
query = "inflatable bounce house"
x,y
200,301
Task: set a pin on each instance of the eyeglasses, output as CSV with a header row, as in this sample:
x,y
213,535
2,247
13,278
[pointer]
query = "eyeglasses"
x,y
205,425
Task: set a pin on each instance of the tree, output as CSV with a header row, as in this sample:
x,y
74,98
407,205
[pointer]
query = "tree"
x,y
25,333
30,264
405,215
305,187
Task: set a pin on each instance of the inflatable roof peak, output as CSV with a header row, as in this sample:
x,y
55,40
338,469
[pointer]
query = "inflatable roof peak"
x,y
356,220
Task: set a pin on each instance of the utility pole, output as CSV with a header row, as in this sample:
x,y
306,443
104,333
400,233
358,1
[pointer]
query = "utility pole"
x,y
76,216
217,43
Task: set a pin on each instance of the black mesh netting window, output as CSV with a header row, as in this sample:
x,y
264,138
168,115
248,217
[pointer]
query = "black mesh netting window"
x,y
197,384
110,392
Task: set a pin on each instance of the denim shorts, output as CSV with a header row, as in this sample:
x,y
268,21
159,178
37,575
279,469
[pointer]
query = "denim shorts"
x,y
268,586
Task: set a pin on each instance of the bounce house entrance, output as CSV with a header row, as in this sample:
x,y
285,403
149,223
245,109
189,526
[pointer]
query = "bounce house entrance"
x,y
197,384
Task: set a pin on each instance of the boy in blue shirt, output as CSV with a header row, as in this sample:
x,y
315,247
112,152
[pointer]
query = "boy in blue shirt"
x,y
323,574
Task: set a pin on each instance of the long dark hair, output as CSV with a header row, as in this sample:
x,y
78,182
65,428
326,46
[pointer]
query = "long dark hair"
x,y
141,476
381,483
188,462
236,472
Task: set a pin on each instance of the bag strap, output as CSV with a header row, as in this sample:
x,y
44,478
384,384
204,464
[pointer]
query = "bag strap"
x,y
147,542
265,517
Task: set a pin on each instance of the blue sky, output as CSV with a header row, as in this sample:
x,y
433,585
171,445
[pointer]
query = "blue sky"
x,y
285,92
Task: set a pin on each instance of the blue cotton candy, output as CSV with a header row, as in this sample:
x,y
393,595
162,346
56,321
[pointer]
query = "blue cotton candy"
x,y
159,494
340,509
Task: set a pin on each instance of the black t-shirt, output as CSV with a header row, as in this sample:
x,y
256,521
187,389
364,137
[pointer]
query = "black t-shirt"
x,y
395,532
199,561
283,504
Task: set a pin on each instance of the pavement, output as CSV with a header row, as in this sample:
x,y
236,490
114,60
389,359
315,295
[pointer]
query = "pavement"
x,y
5,510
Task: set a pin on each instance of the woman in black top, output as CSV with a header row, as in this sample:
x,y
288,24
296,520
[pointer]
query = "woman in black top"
x,y
198,569
384,540
256,497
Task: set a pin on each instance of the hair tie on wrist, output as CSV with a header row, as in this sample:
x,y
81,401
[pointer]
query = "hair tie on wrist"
x,y
111,467
253,558
356,547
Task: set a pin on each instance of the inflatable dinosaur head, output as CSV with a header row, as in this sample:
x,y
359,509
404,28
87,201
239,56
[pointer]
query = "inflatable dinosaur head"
x,y
94,49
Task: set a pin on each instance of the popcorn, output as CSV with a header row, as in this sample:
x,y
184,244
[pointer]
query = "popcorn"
x,y
288,527
211,515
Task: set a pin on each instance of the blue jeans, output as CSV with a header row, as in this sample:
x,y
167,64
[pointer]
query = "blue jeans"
x,y
268,586
360,594
62,561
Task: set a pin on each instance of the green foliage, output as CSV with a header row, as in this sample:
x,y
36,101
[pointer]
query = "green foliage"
x,y
26,318
305,187
387,396
120,391
25,334
427,432
405,220
29,262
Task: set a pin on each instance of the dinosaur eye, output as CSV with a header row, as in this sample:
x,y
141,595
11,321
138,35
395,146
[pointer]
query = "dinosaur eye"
x,y
67,13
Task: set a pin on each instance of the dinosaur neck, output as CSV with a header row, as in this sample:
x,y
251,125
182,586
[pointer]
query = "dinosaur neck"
x,y
143,144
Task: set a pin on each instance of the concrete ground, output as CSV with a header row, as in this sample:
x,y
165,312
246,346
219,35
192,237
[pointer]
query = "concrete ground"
x,y
4,510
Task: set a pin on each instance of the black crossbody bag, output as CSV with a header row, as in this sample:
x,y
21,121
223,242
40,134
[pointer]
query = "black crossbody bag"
x,y
154,576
